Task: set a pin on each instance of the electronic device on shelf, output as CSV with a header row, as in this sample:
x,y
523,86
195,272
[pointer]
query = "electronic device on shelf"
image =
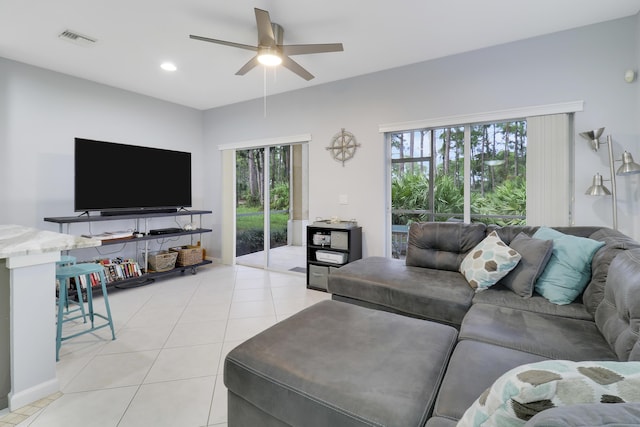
x,y
161,231
118,179
321,239
332,257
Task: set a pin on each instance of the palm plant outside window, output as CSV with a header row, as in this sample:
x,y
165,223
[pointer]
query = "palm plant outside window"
x,y
428,175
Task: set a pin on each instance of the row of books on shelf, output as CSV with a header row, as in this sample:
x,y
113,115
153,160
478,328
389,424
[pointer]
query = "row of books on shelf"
x,y
120,268
114,269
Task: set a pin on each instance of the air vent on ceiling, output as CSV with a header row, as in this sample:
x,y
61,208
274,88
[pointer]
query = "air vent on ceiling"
x,y
77,38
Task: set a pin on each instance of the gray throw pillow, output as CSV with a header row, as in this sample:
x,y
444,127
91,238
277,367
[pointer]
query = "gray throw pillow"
x,y
535,255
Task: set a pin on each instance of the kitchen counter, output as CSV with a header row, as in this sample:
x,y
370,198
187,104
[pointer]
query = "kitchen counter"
x,y
27,305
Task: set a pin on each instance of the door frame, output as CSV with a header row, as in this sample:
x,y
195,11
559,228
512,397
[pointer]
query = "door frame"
x,y
229,187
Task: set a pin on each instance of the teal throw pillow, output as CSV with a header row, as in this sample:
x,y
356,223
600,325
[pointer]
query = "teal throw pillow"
x,y
569,269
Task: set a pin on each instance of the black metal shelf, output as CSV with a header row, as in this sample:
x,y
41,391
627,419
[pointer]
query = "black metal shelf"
x,y
155,236
144,279
147,277
89,218
318,271
327,264
327,248
150,276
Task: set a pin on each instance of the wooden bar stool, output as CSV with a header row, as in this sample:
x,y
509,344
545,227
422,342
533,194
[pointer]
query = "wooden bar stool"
x,y
88,271
66,260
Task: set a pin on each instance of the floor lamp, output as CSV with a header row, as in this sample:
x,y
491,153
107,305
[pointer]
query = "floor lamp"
x,y
629,167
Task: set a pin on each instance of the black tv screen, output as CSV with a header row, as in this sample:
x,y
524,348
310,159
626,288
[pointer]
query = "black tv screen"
x,y
113,178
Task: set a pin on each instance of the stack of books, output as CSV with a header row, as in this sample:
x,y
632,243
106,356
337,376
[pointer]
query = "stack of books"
x,y
120,268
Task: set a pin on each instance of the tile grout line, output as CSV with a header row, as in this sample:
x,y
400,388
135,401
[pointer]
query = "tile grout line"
x,y
224,336
142,381
14,418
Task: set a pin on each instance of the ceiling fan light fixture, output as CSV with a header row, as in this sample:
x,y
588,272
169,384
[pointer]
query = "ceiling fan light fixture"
x,y
269,56
270,50
168,66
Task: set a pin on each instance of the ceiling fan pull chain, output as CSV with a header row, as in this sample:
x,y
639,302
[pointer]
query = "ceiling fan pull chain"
x,y
264,95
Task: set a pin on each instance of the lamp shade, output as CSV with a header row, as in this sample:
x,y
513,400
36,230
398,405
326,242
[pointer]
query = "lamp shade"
x,y
628,167
593,136
598,189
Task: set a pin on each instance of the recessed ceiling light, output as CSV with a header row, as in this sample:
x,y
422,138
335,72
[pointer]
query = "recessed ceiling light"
x,y
168,66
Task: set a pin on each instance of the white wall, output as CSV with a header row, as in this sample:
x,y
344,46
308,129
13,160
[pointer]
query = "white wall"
x,y
41,112
583,64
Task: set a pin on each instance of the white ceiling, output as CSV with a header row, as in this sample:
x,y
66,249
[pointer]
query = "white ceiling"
x,y
135,36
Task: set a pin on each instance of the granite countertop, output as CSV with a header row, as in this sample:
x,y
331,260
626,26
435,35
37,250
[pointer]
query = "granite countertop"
x,y
18,240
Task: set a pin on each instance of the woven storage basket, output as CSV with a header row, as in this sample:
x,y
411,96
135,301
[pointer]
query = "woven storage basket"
x,y
187,255
162,260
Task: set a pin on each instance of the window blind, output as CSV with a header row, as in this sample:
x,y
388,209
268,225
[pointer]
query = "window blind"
x,y
549,170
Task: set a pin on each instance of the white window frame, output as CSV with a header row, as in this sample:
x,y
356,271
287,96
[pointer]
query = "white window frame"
x,y
564,192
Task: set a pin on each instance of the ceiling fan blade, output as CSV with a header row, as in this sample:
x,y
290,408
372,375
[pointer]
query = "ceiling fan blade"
x,y
303,49
223,42
296,68
265,30
253,62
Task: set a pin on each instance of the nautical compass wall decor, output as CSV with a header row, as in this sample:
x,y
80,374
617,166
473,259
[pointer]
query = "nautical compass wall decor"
x,y
343,146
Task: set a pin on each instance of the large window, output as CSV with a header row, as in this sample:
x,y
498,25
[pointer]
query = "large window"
x,y
430,172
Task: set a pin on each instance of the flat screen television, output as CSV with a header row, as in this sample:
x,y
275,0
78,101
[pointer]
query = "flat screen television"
x,y
118,178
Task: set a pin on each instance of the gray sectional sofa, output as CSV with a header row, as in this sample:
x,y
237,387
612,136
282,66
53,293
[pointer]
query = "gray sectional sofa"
x,y
432,345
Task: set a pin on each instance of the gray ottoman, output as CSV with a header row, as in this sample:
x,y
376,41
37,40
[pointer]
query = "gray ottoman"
x,y
337,364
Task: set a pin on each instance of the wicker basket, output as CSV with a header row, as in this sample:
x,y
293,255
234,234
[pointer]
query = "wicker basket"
x,y
162,260
187,255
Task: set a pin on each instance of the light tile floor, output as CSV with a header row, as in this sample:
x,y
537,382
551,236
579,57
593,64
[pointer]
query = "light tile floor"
x,y
165,367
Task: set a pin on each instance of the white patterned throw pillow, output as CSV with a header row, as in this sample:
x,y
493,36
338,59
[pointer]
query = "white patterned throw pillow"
x,y
488,262
522,392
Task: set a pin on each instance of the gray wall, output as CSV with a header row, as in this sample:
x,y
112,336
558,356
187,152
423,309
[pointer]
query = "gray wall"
x,y
41,112
583,64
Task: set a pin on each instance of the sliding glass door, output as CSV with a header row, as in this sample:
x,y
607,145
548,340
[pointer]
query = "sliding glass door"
x,y
250,209
268,203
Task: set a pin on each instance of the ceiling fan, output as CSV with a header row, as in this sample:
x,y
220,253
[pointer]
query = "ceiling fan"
x,y
271,51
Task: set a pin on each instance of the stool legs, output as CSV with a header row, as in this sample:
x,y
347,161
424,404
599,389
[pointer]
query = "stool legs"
x,y
103,283
66,260
66,299
62,300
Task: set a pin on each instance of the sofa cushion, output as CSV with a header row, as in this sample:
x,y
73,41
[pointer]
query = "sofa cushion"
x,y
441,422
443,296
336,364
473,367
549,336
501,296
614,243
441,245
618,315
489,261
535,254
613,415
569,269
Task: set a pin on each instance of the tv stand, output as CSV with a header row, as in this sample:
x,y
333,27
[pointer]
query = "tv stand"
x,y
138,212
142,221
